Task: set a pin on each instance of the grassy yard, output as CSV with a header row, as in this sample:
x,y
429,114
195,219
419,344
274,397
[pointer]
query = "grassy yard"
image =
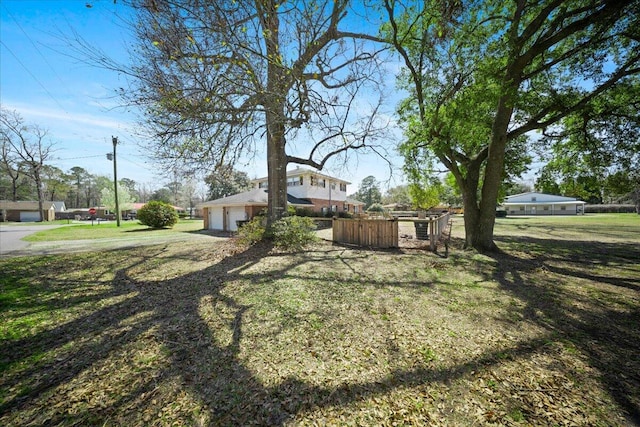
x,y
102,230
208,333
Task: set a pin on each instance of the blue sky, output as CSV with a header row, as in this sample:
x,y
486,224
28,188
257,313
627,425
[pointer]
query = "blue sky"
x,y
76,102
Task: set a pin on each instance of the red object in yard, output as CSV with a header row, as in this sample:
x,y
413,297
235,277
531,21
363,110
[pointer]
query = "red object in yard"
x,y
92,211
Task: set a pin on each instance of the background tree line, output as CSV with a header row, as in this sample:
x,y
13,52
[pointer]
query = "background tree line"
x,y
26,173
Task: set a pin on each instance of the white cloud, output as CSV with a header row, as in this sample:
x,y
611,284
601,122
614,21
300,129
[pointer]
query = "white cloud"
x,y
30,114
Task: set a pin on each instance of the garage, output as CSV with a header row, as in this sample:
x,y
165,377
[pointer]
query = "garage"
x,y
216,218
223,214
235,213
29,216
26,211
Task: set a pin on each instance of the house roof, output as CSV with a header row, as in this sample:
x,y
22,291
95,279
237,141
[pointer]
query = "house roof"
x,y
354,202
298,202
255,197
304,171
59,206
27,205
137,206
536,198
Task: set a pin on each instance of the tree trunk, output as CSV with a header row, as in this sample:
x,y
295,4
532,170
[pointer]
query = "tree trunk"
x,y
274,101
38,181
480,217
469,188
276,170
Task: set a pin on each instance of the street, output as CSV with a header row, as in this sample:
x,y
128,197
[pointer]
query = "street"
x,y
11,235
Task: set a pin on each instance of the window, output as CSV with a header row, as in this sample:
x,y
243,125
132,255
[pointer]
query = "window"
x,y
322,183
533,199
343,187
313,181
345,207
294,181
263,184
563,208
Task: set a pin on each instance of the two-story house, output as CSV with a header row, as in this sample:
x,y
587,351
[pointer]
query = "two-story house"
x,y
325,192
306,189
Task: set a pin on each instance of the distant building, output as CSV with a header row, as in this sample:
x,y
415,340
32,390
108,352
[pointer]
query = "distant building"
x,y
533,203
26,211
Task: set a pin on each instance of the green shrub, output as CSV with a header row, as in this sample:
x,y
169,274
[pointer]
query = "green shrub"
x,y
157,214
308,212
293,232
620,208
252,231
376,208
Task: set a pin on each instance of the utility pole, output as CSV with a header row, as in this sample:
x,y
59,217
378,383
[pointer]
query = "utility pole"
x,y
114,139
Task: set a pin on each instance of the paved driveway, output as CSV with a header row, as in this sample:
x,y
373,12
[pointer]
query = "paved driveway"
x,y
11,235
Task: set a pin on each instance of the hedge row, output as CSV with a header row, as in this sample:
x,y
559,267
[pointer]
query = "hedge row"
x,y
610,208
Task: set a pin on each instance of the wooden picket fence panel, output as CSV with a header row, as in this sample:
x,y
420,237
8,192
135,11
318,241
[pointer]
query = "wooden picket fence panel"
x,y
383,233
435,228
375,233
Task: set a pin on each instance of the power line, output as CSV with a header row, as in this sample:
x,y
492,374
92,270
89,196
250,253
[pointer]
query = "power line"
x,y
84,157
137,164
32,75
44,58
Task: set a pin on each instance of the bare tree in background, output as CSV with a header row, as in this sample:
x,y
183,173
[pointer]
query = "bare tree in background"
x,y
30,144
12,167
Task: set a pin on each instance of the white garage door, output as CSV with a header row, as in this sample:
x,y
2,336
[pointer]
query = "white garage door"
x,y
235,213
29,216
215,219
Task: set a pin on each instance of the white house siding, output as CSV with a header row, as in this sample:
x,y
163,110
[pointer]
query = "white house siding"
x,y
555,209
308,191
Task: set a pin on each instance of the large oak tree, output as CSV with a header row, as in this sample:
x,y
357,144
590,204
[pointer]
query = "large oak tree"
x,y
482,75
218,80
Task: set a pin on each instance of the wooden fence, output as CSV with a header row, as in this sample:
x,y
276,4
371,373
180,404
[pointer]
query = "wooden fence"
x,y
383,233
377,233
431,229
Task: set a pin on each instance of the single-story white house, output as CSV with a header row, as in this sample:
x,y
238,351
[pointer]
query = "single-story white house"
x,y
225,213
534,203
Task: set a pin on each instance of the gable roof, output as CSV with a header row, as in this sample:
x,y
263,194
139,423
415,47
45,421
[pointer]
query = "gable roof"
x,y
255,197
59,206
25,205
354,201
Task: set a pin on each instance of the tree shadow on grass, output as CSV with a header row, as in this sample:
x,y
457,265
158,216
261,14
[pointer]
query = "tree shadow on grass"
x,y
587,293
207,358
